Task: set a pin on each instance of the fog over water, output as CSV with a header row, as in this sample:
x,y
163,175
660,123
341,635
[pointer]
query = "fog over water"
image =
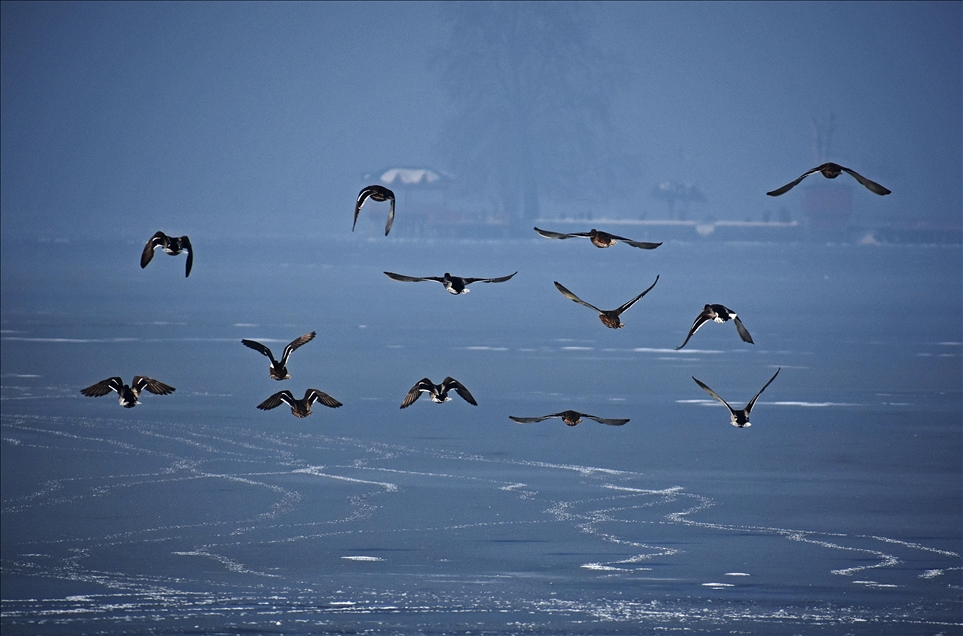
x,y
252,127
244,117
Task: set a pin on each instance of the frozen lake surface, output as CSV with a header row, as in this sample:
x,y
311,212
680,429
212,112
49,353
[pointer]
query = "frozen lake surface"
x,y
840,511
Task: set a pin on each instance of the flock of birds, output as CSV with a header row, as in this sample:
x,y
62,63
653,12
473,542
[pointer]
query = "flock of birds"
x,y
128,395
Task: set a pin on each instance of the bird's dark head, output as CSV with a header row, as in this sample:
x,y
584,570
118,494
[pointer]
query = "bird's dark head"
x,y
571,418
740,420
830,170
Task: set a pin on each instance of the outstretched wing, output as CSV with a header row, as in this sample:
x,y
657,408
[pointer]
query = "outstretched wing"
x,y
450,383
743,332
294,344
142,382
186,245
257,346
362,197
752,402
700,320
789,186
872,186
104,387
714,394
406,279
313,395
275,400
636,299
604,420
414,393
501,279
642,245
572,296
531,420
391,213
152,244
555,235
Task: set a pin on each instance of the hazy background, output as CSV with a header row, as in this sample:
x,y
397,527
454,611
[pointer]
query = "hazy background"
x,y
252,127
122,118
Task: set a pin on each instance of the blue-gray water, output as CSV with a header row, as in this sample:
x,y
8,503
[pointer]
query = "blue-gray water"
x,y
837,512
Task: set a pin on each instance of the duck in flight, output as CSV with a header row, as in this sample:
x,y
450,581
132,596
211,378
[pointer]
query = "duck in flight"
x,y
375,193
599,238
437,392
173,245
831,171
128,395
609,318
278,369
740,417
717,313
454,284
302,407
571,418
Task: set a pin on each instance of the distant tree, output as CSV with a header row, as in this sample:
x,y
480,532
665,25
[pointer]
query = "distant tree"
x,y
823,130
530,96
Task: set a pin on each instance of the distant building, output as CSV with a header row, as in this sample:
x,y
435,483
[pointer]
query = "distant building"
x,y
828,207
682,193
423,200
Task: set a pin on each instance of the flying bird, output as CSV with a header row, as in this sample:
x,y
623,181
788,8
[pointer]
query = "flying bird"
x,y
437,392
173,245
717,313
278,369
740,417
127,395
375,193
302,407
599,238
571,418
831,171
454,284
609,318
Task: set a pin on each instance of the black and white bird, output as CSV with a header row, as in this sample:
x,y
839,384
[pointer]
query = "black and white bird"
x,y
571,418
609,318
128,395
738,417
375,193
717,313
454,284
599,238
437,392
278,368
831,171
173,245
302,407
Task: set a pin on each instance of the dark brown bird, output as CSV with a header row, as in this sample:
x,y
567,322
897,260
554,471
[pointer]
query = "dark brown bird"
x,y
437,392
609,318
173,245
375,193
302,407
128,395
740,417
278,369
599,238
571,418
454,284
717,313
831,171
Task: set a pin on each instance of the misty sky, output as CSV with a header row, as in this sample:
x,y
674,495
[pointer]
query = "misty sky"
x,y
124,118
